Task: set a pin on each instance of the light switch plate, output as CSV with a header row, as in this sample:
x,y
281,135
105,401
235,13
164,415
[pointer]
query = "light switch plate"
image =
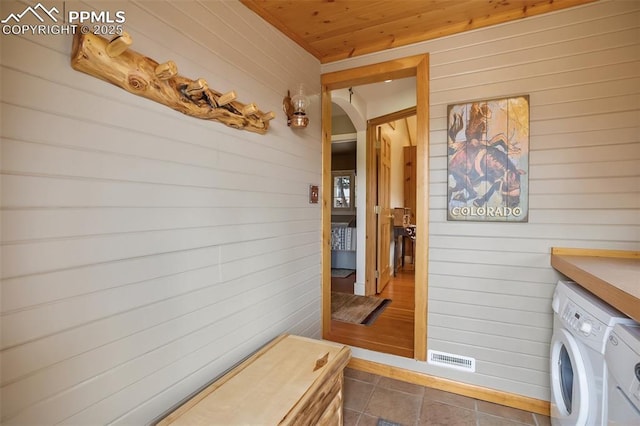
x,y
313,194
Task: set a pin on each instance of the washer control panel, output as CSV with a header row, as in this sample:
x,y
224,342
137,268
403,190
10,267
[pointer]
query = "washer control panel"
x,y
588,319
579,321
585,327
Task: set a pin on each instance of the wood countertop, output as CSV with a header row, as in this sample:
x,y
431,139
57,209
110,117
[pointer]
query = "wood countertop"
x,y
612,275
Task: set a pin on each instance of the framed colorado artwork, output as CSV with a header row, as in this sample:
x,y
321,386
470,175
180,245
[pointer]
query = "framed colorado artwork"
x,y
488,160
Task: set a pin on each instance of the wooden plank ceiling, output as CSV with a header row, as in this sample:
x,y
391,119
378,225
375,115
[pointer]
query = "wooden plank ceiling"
x,y
332,30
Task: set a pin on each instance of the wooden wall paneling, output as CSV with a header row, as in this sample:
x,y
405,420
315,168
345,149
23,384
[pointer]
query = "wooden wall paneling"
x,y
477,325
78,221
42,256
197,349
34,289
195,307
146,236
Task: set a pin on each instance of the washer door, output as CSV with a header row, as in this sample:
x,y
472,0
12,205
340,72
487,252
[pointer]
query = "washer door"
x,y
569,385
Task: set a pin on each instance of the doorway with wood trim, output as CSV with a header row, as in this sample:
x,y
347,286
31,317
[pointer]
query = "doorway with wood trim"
x,y
417,66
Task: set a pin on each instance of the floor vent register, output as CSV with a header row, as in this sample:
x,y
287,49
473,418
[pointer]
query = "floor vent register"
x,y
447,360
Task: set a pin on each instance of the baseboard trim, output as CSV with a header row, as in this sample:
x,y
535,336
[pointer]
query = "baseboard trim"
x,y
485,394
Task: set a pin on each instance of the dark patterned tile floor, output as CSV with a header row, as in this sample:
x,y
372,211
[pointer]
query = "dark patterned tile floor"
x,y
371,400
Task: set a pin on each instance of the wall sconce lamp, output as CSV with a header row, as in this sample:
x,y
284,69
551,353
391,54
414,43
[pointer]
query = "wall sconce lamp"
x,y
296,108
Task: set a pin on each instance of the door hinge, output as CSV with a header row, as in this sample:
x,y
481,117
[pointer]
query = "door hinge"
x,y
377,274
376,209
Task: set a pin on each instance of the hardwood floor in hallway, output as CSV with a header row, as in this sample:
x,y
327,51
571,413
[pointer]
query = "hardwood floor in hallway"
x,y
392,332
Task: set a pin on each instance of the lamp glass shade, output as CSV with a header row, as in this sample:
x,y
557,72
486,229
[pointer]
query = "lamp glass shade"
x,y
300,100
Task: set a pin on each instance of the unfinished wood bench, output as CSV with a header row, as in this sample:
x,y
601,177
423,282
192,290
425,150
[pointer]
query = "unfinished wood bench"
x,y
291,381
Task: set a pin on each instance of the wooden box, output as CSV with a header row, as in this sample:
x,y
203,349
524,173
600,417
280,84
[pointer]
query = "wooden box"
x,y
292,381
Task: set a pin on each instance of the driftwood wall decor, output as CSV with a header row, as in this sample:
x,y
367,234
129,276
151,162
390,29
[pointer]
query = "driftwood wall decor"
x,y
114,62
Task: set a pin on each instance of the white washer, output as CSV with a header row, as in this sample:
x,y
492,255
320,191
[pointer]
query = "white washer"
x,y
581,326
622,355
